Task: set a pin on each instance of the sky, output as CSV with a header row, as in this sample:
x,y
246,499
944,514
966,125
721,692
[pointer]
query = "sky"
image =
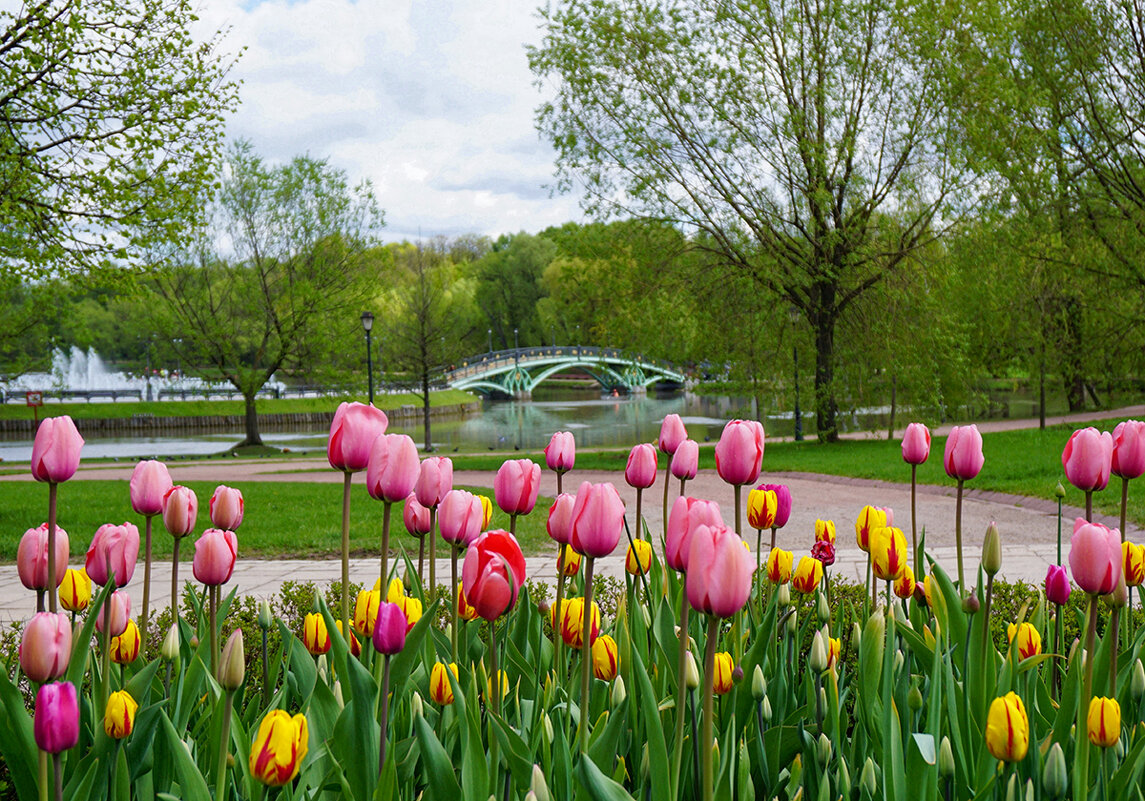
x,y
431,100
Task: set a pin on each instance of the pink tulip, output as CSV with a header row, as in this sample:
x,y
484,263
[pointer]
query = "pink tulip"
x,y
1128,459
56,450
56,722
215,553
390,628
560,454
1095,557
393,468
559,524
1087,459
686,460
515,486
916,444
460,517
180,510
672,433
113,548
120,605
46,646
686,516
493,573
597,519
32,557
149,484
782,502
889,512
226,508
415,516
1057,585
963,459
434,479
719,571
739,453
640,472
352,432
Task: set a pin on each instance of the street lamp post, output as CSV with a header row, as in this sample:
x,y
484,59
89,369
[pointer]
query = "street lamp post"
x,y
368,325
489,331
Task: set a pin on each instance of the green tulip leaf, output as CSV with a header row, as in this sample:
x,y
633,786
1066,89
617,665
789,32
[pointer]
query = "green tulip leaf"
x,y
599,786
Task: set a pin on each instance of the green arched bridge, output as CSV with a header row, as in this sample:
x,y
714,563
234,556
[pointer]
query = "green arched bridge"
x,y
518,371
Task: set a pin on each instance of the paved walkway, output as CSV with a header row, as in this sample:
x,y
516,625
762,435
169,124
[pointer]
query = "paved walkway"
x,y
1028,525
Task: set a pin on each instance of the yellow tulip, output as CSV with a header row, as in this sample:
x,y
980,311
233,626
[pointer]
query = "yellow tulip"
x,y
503,679
904,584
440,690
279,747
605,659
779,566
396,591
1029,642
366,611
75,591
119,716
888,552
825,531
464,610
1008,728
808,576
722,673
412,609
314,634
1132,557
761,506
571,563
1103,724
834,647
355,646
929,587
125,647
572,622
486,511
870,518
639,557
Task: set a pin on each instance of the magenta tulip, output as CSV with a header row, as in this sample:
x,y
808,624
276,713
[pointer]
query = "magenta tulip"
x,y
352,432
560,453
226,508
1087,459
515,486
686,460
1128,460
597,520
963,459
393,468
739,453
672,433
180,510
435,478
149,484
32,557
415,516
559,524
46,646
640,472
916,444
56,722
719,571
119,603
782,502
390,628
113,548
687,515
56,450
1057,585
460,517
1095,557
215,553
493,573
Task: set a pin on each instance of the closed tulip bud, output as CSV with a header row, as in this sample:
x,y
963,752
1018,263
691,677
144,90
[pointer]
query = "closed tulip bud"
x,y
314,634
502,684
560,453
792,624
597,519
691,672
900,658
279,747
904,585
914,699
758,684
415,516
808,575
1055,775
570,565
823,752
869,519
1087,459
56,721
1012,788
916,444
971,604
32,558
963,459
619,694
416,706
226,508
945,759
392,467
722,669
825,531
1103,723
686,460
537,784
1028,640
46,646
125,647
352,431
605,658
992,550
180,510
169,650
338,697
779,564
459,517
822,610
817,660
856,635
215,554
548,725
1137,683
1008,728
765,710
390,629
783,596
1059,491
672,433
638,559
1095,557
739,453
888,552
56,450
440,688
75,591
719,571
761,508
867,778
232,666
1132,563
516,485
1057,585
572,622
119,716
114,548
843,778
265,619
115,623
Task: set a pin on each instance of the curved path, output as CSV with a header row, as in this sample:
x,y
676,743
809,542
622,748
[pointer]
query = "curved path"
x,y
1028,525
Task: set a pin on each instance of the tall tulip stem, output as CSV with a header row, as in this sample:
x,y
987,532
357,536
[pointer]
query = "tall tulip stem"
x,y
1114,619
681,692
346,620
1089,506
53,487
958,538
143,616
1081,774
667,472
1124,503
386,508
913,525
455,617
432,553
175,580
224,743
43,783
586,655
494,702
58,770
709,683
384,702
639,521
212,598
557,639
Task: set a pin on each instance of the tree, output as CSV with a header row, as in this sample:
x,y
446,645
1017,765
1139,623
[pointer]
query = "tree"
x,y
278,278
510,286
111,117
804,141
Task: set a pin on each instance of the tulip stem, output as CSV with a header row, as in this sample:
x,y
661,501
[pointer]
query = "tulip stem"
x,y
224,743
455,617
52,584
1113,623
265,672
1057,651
667,472
175,581
683,481
695,744
385,705
40,601
586,655
105,677
556,617
213,602
1089,506
57,770
639,521
639,567
958,538
385,544
709,677
986,644
146,580
432,553
681,693
421,559
1124,502
43,785
913,527
345,551
1081,774
494,702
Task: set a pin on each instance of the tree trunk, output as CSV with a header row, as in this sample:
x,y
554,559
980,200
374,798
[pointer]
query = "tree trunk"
x,y
825,408
1074,359
425,410
252,437
891,422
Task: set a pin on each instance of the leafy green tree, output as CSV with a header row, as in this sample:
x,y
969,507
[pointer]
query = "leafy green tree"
x,y
510,286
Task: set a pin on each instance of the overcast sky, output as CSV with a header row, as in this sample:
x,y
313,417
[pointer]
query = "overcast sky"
x,y
432,100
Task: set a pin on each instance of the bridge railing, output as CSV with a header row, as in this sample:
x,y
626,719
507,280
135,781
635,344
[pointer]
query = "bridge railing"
x,y
484,362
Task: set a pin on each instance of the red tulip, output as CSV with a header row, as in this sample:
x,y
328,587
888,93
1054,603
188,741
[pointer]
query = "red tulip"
x,y
597,519
916,444
686,516
434,479
149,484
560,518
640,472
739,453
180,509
515,486
120,604
1057,585
226,508
493,573
215,553
460,517
390,629
1095,557
1128,460
393,468
415,516
56,450
672,433
824,551
1087,459
686,460
560,454
46,646
116,548
352,432
719,571
32,557
782,502
963,459
56,723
